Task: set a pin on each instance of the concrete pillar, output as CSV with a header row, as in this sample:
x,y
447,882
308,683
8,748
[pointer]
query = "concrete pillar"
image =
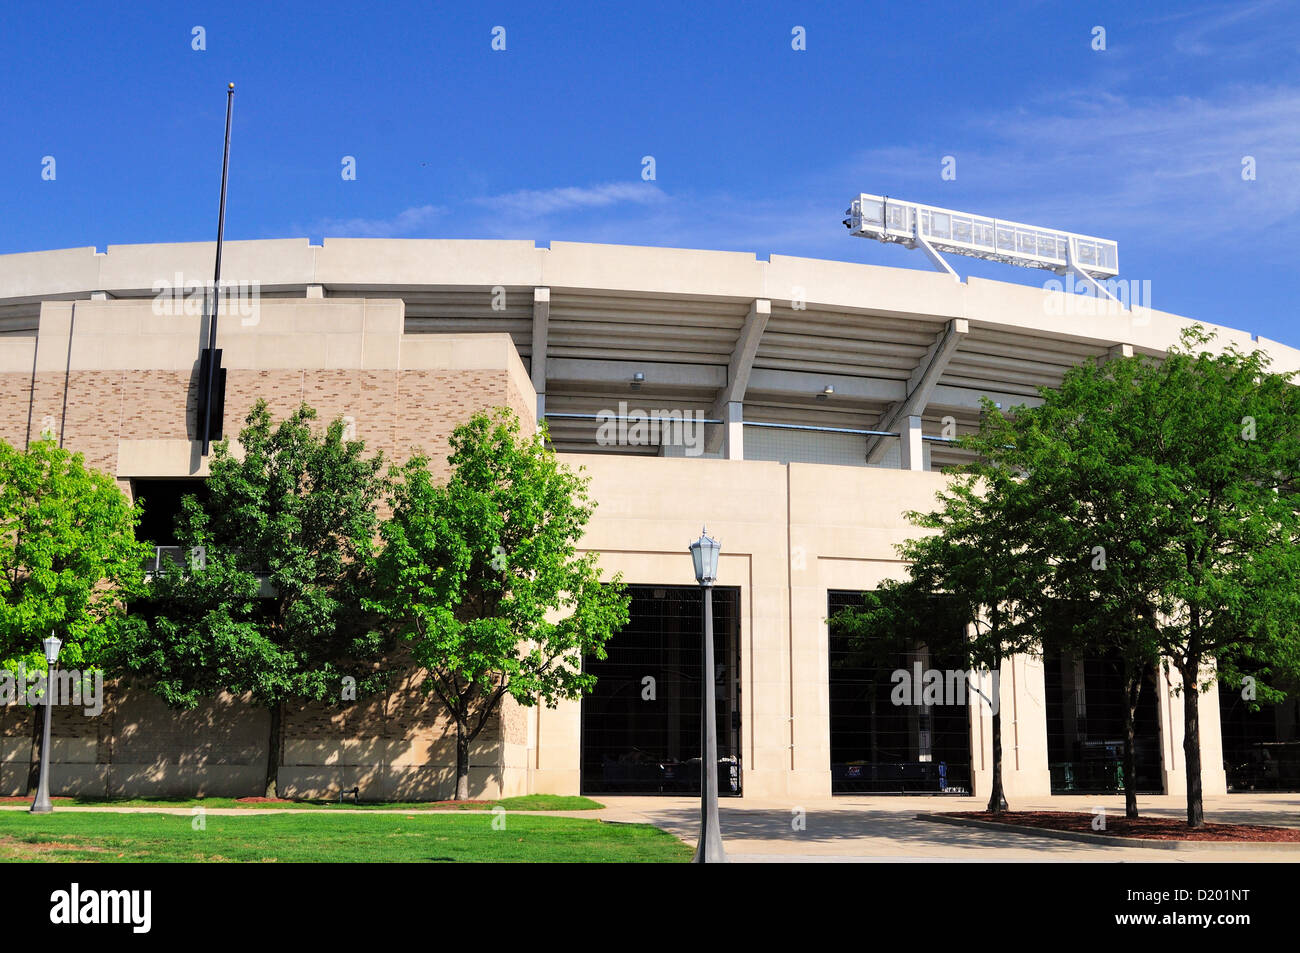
x,y
541,329
1020,697
1173,766
734,430
912,451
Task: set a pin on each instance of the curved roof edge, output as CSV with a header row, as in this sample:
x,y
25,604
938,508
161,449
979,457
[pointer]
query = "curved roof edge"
x,y
358,265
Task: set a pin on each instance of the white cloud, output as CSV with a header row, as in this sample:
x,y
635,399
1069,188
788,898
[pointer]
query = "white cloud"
x,y
403,223
1172,166
538,202
1214,31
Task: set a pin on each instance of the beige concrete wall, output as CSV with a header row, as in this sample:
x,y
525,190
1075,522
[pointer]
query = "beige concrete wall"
x,y
789,534
399,746
118,382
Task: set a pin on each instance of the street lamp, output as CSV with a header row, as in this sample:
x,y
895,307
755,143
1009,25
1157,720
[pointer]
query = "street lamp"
x,y
704,551
41,804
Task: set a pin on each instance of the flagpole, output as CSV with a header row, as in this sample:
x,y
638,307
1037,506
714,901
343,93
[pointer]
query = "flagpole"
x,y
209,381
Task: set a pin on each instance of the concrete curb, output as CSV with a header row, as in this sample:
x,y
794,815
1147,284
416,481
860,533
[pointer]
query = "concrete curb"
x,y
1108,840
591,814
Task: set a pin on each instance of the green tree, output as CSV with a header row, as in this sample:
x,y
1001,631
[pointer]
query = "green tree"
x,y
68,561
1087,528
969,582
1162,496
1101,625
977,565
268,597
483,576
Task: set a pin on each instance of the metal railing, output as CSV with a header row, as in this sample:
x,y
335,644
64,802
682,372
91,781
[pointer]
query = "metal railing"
x,y
749,423
172,554
176,555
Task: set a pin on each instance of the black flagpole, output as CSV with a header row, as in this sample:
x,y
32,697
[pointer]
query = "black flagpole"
x,y
213,370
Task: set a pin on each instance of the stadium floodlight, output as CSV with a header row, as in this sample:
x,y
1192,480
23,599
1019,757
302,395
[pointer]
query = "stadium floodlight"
x,y
935,230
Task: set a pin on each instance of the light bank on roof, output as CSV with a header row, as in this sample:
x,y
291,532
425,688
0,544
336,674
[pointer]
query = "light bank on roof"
x,y
962,233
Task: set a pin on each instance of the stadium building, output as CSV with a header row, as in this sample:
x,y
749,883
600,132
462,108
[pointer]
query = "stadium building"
x,y
797,408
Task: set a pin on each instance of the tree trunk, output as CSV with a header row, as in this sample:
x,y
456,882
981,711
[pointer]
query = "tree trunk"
x,y
275,750
1192,744
34,765
462,762
1132,689
997,800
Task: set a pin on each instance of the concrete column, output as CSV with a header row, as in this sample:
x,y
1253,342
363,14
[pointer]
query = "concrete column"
x,y
1172,762
1020,695
912,452
541,328
734,429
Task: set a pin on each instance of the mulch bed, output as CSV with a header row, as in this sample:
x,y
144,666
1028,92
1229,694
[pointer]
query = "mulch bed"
x,y
428,806
28,799
1146,828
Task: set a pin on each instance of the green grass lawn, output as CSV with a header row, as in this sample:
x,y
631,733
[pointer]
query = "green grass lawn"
x,y
350,838
526,802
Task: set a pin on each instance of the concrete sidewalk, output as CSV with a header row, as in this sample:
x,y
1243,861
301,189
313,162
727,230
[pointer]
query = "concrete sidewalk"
x,y
861,828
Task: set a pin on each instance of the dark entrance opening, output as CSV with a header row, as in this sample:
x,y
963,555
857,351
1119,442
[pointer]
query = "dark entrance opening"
x,y
161,504
1261,749
641,724
879,746
1085,726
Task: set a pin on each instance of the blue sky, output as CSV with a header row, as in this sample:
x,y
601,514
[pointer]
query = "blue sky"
x,y
757,147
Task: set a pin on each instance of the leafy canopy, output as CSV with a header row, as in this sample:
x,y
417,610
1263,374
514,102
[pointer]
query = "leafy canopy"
x,y
1160,497
483,575
267,598
68,557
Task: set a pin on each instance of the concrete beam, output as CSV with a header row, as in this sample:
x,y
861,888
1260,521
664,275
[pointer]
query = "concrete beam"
x,y
920,385
618,374
742,356
807,384
541,327
966,398
740,366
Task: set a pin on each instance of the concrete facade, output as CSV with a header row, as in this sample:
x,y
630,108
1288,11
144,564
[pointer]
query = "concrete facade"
x,y
405,339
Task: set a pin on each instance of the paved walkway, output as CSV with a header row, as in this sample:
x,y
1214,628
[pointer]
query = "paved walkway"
x,y
851,829
858,828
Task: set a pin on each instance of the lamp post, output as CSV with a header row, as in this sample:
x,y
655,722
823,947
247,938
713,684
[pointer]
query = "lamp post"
x,y
41,803
704,551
